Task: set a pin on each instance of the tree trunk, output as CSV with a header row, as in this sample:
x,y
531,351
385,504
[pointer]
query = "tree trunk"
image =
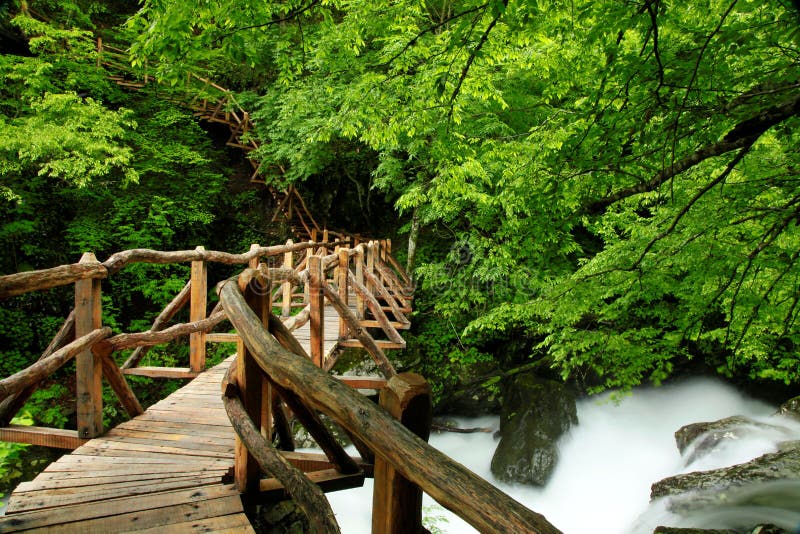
x,y
413,236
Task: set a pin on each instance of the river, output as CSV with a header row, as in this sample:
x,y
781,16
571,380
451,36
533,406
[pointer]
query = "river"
x,y
607,463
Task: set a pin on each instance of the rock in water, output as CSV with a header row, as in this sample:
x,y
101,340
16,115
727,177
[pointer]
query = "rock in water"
x,y
699,439
535,414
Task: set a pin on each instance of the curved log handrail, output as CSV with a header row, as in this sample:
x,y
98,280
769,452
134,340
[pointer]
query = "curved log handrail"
x,y
447,481
308,495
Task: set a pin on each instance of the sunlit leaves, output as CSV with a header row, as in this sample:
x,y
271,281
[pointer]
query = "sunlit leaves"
x,y
504,125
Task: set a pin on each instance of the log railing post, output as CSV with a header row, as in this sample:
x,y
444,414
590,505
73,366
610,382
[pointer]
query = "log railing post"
x,y
306,295
197,312
359,261
344,269
371,251
88,366
396,502
288,263
335,279
316,277
253,388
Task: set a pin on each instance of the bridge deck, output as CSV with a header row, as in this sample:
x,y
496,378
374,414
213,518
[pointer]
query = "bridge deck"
x,y
159,472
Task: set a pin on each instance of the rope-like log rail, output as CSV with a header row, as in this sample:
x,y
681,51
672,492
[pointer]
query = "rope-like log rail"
x,y
19,283
478,502
166,314
45,367
24,282
142,339
12,404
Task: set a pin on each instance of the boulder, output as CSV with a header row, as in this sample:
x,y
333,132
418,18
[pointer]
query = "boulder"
x,y
535,414
791,408
698,439
698,489
758,497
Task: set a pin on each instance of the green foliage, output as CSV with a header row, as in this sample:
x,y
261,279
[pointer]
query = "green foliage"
x,y
44,406
623,176
12,460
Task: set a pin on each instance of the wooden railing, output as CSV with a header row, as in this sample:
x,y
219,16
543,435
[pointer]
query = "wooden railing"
x,y
83,337
392,435
272,371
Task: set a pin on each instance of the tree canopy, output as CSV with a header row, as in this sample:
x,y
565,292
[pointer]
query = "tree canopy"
x,y
616,180
610,186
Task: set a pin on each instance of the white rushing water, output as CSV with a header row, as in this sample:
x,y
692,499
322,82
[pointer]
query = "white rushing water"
x,y
607,463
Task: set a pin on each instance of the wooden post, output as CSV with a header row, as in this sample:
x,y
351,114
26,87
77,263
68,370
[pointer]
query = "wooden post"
x,y
253,389
266,390
197,312
99,51
88,367
317,320
288,263
335,278
359,260
344,269
396,502
371,251
306,295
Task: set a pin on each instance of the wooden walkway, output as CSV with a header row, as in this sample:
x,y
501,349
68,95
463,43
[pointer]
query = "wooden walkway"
x,y
162,471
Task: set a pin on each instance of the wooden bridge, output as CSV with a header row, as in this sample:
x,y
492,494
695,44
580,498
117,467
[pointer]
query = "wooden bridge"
x,y
200,458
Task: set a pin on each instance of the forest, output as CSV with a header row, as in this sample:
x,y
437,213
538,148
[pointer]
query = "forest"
x,y
607,191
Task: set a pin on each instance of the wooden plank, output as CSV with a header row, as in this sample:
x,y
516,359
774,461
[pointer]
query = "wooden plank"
x,y
102,487
178,446
46,437
161,372
176,417
40,500
369,323
120,446
220,524
316,323
359,382
71,479
127,509
328,480
222,337
314,461
78,459
379,342
194,429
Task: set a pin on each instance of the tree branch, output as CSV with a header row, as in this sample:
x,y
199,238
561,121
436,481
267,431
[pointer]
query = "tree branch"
x,y
743,134
472,55
430,29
